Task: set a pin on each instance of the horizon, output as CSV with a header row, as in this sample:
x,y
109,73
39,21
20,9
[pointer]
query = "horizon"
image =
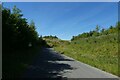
x,y
67,19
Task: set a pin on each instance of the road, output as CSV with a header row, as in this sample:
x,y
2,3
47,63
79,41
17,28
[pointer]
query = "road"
x,y
50,64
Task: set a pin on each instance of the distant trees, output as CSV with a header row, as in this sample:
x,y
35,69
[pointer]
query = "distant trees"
x,y
97,28
98,32
51,37
17,33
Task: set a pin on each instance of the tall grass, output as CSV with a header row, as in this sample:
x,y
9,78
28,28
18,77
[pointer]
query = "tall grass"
x,y
100,52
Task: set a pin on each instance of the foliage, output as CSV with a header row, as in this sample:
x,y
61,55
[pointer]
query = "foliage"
x,y
97,32
20,42
100,52
51,37
17,33
98,48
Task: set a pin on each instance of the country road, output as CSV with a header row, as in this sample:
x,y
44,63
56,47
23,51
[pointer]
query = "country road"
x,y
50,64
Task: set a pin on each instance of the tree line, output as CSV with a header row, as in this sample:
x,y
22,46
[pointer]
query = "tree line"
x,y
98,32
17,33
51,37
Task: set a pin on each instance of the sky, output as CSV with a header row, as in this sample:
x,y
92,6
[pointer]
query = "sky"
x,y
67,19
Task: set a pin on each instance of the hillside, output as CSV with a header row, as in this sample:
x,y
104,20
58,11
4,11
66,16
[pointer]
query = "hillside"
x,y
98,51
54,41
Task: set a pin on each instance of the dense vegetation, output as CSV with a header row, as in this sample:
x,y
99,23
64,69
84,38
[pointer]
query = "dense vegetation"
x,y
54,41
51,37
20,42
17,33
98,32
98,48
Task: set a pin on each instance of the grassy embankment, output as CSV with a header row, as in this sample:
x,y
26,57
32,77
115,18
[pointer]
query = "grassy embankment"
x,y
100,52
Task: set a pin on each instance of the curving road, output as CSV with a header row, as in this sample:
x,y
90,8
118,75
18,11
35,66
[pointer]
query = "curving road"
x,y
50,64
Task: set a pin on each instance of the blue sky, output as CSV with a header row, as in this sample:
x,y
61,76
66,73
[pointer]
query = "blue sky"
x,y
67,19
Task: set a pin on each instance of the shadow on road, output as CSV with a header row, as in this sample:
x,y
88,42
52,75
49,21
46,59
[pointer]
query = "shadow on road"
x,y
47,65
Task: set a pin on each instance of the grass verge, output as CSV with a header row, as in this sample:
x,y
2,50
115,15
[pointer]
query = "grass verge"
x,y
100,52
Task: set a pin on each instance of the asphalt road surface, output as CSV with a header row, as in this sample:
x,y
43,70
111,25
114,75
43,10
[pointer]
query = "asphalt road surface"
x,y
50,64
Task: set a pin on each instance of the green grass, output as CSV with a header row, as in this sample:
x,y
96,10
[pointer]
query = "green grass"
x,y
100,52
14,64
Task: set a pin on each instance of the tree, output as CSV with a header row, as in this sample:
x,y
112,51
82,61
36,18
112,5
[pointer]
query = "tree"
x,y
97,28
96,31
102,31
33,35
16,12
118,26
90,33
17,33
111,27
6,30
73,38
32,25
56,37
